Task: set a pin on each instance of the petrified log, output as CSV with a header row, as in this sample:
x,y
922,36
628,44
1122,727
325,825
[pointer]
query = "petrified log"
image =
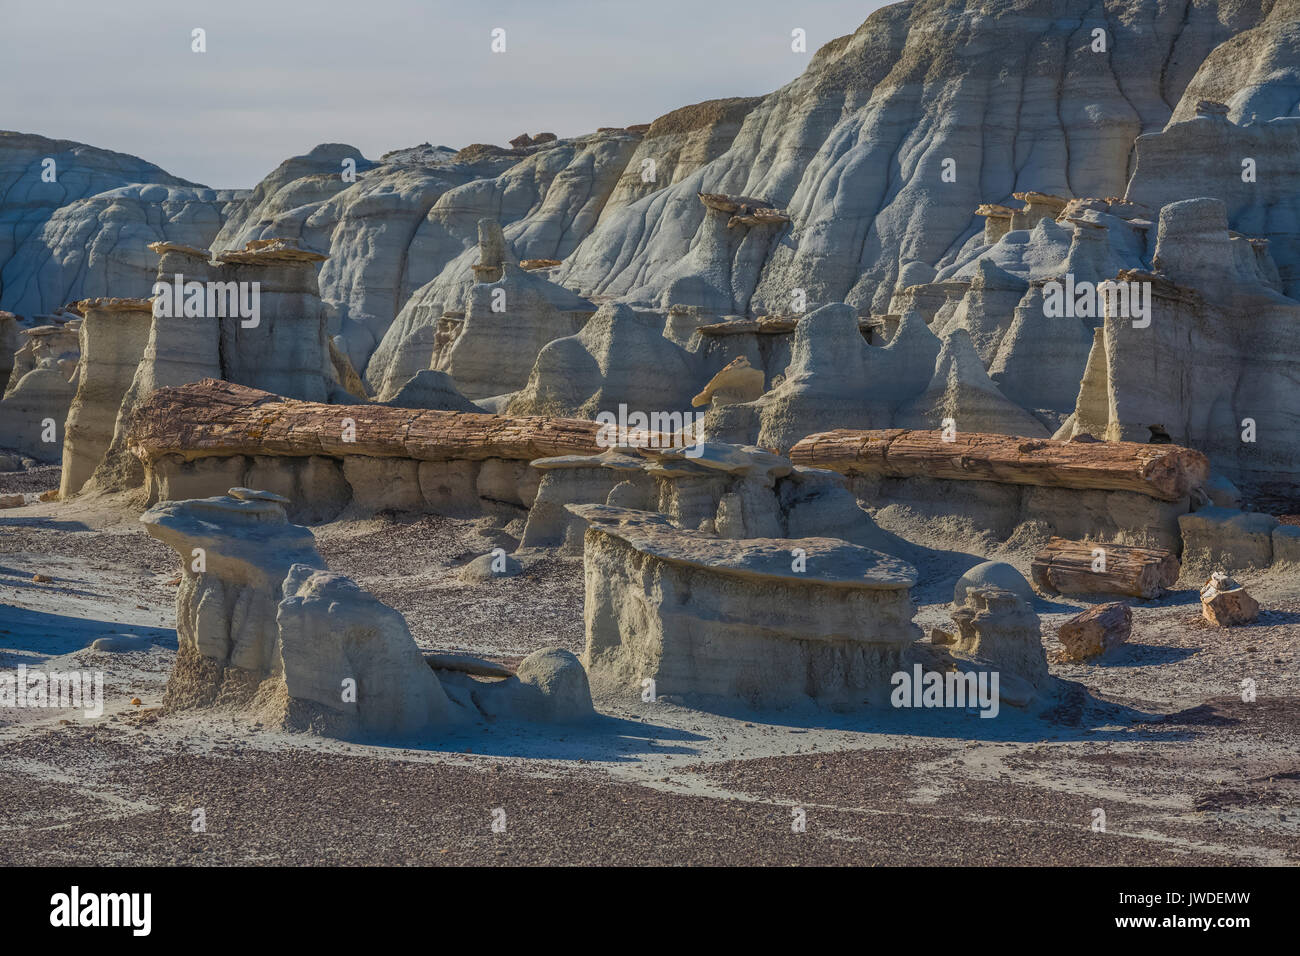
x,y
1096,630
213,417
1225,603
1087,567
771,325
1167,472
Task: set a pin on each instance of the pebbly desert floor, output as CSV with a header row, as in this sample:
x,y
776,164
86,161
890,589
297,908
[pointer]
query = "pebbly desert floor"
x,y
1157,737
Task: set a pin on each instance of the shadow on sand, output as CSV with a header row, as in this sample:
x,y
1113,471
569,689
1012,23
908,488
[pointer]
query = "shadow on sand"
x,y
53,635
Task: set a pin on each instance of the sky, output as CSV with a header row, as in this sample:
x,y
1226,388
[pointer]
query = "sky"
x,y
280,76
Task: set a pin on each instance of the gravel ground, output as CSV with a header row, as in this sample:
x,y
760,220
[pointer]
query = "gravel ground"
x,y
33,481
1156,737
414,566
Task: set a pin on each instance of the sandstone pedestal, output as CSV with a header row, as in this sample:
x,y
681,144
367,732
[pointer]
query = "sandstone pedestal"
x,y
762,622
235,552
114,333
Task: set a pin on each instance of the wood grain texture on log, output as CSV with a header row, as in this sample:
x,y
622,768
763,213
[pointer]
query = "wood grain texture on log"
x,y
1167,472
773,325
216,418
1096,631
1075,567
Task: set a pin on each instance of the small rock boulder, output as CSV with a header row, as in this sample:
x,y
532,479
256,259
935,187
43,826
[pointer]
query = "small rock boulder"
x,y
555,687
550,686
490,566
1225,603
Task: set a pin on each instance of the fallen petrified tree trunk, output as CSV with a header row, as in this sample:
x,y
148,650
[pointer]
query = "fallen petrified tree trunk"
x,y
1167,472
213,417
1086,567
1096,631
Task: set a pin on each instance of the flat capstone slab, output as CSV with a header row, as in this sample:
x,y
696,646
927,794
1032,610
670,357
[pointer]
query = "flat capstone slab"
x,y
828,562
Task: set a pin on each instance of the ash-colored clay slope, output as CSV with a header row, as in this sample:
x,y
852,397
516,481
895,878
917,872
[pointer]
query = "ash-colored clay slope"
x,y
545,204
854,149
1256,74
548,204
99,246
29,203
677,144
367,223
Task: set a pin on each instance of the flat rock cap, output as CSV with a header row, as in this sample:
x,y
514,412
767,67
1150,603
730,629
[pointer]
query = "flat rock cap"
x,y
829,562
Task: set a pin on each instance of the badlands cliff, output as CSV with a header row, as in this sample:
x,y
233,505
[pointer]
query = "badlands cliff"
x,y
1020,270
927,175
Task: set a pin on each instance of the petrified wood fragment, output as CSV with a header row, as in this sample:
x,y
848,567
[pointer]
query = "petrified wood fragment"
x,y
1087,567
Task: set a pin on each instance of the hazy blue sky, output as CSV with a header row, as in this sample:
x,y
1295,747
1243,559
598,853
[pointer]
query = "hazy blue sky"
x,y
279,77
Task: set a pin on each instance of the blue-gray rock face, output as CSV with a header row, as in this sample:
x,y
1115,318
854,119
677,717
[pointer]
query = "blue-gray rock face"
x,y
56,248
929,177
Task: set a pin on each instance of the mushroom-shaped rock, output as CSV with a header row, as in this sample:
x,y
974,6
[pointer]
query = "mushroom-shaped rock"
x,y
235,554
113,337
999,627
746,460
1038,206
737,382
744,210
493,251
574,479
272,250
997,221
181,249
